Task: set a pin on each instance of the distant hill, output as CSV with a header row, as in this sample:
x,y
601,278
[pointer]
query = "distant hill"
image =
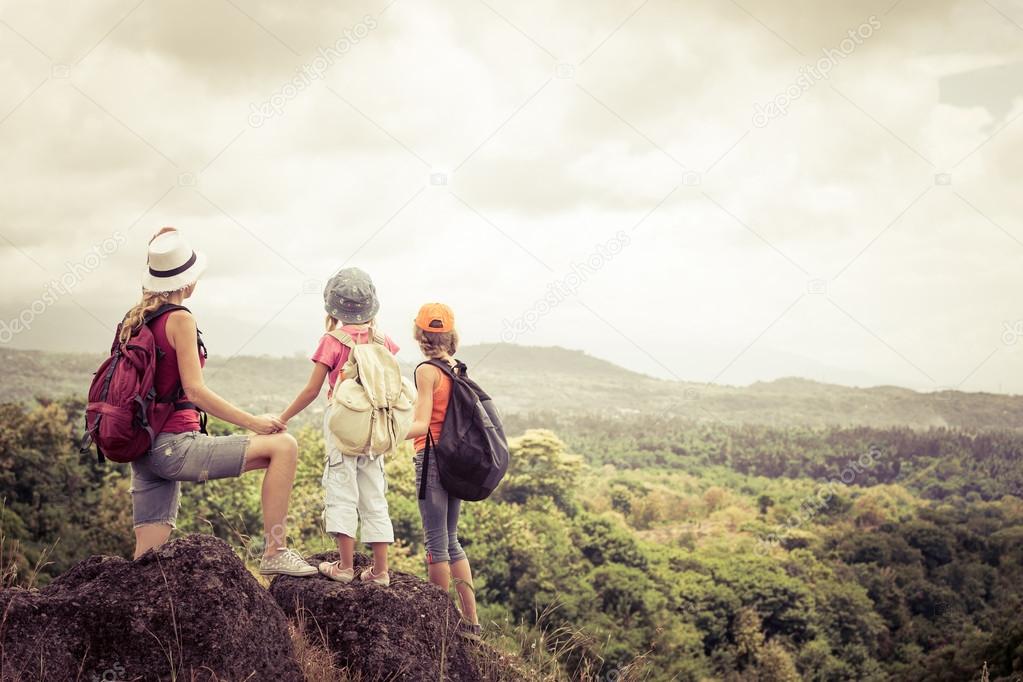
x,y
530,379
503,357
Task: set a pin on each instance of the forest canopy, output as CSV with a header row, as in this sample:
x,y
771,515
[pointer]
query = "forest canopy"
x,y
688,550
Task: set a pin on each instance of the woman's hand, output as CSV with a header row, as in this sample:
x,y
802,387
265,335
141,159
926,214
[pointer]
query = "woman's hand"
x,y
181,333
266,424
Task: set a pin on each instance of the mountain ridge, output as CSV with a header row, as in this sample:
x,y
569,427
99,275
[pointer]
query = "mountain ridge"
x,y
534,379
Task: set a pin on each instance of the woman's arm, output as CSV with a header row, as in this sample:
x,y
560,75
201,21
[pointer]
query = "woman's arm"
x,y
426,380
308,394
181,332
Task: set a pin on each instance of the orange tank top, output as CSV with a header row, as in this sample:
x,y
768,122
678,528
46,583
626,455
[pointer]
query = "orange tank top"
x,y
441,396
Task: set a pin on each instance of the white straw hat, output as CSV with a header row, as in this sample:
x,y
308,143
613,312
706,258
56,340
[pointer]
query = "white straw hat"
x,y
172,263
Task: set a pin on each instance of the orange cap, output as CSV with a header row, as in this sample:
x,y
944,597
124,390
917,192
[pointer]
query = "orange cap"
x,y
435,317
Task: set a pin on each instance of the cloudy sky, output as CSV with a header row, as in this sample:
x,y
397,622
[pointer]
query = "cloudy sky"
x,y
711,190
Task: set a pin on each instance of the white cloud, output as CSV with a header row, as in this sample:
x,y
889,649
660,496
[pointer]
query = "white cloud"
x,y
553,163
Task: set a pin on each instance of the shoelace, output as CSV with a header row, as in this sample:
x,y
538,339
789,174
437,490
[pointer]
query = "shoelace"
x,y
287,555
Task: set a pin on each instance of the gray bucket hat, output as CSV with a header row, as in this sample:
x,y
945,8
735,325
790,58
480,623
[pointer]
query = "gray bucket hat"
x,y
351,297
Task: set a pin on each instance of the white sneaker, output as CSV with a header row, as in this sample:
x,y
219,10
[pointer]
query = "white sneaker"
x,y
334,571
368,576
286,562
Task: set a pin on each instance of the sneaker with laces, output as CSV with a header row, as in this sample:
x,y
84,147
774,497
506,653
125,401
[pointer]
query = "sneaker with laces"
x,y
368,576
334,571
470,631
286,562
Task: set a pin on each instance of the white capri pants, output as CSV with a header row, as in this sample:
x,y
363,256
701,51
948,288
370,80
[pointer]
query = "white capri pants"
x,y
355,488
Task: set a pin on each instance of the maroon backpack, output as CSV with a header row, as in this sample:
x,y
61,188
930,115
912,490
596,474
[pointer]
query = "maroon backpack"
x,y
124,414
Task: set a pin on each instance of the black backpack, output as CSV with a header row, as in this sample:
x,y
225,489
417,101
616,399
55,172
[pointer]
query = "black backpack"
x,y
472,453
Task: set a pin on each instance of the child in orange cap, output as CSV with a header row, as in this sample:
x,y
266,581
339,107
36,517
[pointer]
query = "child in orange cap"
x,y
438,339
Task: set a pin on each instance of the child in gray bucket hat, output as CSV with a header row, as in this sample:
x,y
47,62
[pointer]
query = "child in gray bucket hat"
x,y
350,297
354,485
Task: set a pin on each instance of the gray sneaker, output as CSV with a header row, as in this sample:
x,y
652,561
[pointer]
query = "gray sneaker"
x,y
470,631
287,562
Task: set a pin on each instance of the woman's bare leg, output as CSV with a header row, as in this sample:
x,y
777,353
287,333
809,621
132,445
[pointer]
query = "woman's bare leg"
x,y
278,454
151,535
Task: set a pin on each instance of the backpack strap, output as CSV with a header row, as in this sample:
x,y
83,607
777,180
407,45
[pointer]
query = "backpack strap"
x,y
442,366
430,444
149,319
426,460
347,340
177,398
343,337
459,370
163,310
414,379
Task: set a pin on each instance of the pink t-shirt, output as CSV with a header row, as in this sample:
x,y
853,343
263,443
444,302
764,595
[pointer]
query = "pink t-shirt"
x,y
334,354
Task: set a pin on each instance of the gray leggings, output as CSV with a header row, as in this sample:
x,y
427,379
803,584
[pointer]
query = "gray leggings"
x,y
440,516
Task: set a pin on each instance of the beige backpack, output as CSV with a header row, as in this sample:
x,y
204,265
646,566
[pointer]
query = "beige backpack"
x,y
373,407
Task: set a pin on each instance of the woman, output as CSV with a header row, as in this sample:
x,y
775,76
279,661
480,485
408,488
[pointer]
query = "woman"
x,y
446,560
180,452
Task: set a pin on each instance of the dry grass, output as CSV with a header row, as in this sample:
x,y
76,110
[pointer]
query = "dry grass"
x,y
10,574
541,652
312,654
11,577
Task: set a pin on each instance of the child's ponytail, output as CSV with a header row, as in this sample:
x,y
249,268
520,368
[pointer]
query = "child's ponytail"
x,y
436,345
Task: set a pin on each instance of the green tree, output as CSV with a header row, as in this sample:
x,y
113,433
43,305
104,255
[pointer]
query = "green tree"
x,y
747,636
775,664
540,467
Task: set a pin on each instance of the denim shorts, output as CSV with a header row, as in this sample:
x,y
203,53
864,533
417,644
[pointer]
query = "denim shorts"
x,y
175,457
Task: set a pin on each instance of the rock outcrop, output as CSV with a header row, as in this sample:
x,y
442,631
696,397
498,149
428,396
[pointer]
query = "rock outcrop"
x,y
188,610
404,632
